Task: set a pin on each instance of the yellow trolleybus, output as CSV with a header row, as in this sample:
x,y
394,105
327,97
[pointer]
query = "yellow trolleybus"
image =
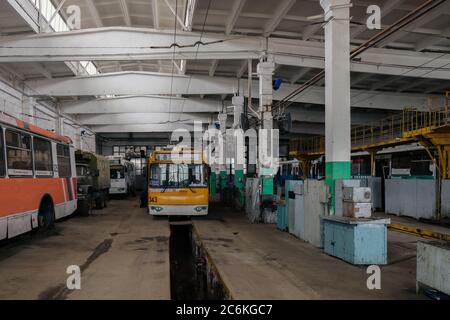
x,y
178,182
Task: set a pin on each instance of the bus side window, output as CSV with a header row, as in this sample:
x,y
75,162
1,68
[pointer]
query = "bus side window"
x,y
18,147
42,157
63,157
2,155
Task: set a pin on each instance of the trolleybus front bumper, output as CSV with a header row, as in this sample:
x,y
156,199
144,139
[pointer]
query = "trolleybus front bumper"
x,y
178,210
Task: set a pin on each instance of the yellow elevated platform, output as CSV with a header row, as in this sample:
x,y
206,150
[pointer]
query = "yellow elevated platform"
x,y
430,128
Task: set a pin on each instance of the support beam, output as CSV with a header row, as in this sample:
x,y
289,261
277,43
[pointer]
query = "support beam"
x,y
33,18
42,69
94,13
155,13
125,12
143,118
240,72
190,10
174,12
413,84
311,30
160,105
300,75
212,69
337,92
28,12
429,16
355,79
146,83
234,15
281,11
141,127
28,110
431,40
133,44
12,71
298,128
384,83
141,104
439,88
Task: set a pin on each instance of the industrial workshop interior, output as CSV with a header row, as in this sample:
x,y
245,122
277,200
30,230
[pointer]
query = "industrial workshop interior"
x,y
193,150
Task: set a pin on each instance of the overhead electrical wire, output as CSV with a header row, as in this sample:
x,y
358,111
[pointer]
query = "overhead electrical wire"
x,y
379,93
196,53
408,18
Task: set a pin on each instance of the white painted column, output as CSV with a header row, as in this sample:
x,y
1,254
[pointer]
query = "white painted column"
x,y
222,117
238,106
337,91
266,169
239,149
265,71
238,144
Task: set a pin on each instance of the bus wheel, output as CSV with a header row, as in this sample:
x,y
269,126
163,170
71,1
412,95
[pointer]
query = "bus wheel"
x,y
84,207
46,215
105,201
99,202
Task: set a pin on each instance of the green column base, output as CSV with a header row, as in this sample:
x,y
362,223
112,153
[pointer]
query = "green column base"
x,y
267,186
335,170
212,184
239,184
223,180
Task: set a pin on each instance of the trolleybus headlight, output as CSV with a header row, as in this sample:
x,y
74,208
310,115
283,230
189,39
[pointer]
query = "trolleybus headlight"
x,y
202,208
156,208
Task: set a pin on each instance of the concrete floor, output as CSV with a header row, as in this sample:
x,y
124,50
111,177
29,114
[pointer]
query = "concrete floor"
x,y
257,261
124,254
414,223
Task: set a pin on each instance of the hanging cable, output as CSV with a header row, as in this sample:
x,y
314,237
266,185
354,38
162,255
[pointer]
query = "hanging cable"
x,y
196,53
376,39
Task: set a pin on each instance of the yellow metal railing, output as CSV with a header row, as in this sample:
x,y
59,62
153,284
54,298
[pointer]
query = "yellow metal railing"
x,y
408,124
418,122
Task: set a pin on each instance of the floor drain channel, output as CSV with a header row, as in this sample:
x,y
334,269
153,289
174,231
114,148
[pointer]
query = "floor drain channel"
x,y
191,277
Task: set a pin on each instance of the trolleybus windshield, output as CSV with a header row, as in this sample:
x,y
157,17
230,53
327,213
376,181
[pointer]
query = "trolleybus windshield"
x,y
177,176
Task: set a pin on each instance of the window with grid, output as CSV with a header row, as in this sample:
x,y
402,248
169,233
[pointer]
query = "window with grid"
x,y
63,158
18,149
139,158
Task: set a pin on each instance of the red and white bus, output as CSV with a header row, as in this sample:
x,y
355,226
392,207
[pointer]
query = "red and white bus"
x,y
37,177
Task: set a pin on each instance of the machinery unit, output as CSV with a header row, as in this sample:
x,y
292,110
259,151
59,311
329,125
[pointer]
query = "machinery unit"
x,y
357,202
93,174
282,221
433,265
291,185
123,176
357,209
357,194
358,241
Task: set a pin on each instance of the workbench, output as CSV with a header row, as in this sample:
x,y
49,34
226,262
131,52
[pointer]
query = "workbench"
x,y
361,241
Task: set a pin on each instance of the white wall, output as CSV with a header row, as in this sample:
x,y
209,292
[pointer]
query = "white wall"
x,y
15,103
